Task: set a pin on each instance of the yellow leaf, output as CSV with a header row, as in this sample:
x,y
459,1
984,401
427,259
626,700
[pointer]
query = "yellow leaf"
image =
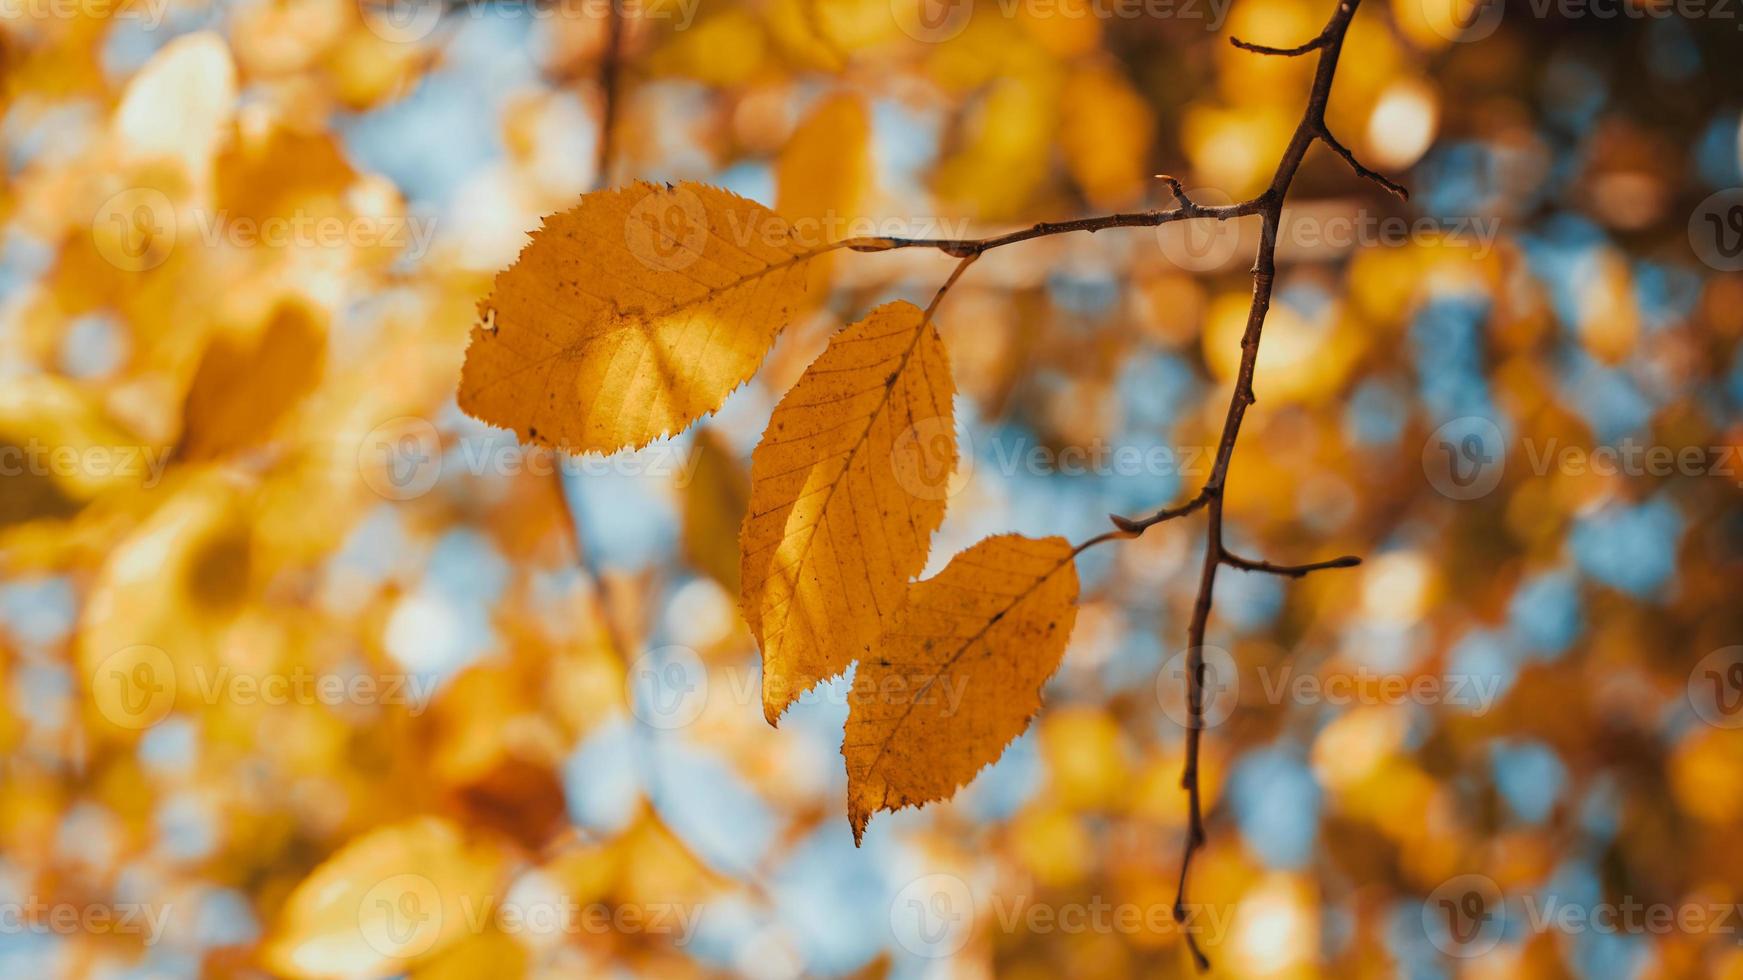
x,y
59,450
491,953
823,171
246,384
178,105
958,673
714,504
632,315
161,603
724,50
822,178
1106,137
839,520
397,895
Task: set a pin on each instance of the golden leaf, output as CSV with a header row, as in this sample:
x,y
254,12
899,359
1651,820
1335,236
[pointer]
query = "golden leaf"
x,y
247,382
397,895
631,315
822,178
714,501
824,171
958,673
839,521
1106,137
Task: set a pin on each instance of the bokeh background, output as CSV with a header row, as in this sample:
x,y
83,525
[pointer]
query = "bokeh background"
x,y
307,674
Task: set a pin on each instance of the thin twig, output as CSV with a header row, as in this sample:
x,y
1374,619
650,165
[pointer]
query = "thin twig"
x,y
1360,168
1290,571
1299,49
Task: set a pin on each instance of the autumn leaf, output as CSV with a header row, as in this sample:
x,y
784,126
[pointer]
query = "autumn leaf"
x,y
839,520
958,673
631,315
1106,138
822,176
247,382
714,501
399,894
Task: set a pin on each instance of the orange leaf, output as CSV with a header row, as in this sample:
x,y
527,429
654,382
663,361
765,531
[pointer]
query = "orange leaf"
x,y
958,673
632,315
838,521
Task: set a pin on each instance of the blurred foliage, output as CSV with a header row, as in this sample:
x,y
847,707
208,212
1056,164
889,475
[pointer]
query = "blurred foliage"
x,y
299,656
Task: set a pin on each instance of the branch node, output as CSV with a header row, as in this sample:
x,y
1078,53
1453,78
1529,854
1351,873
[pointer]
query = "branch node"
x,y
1179,192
